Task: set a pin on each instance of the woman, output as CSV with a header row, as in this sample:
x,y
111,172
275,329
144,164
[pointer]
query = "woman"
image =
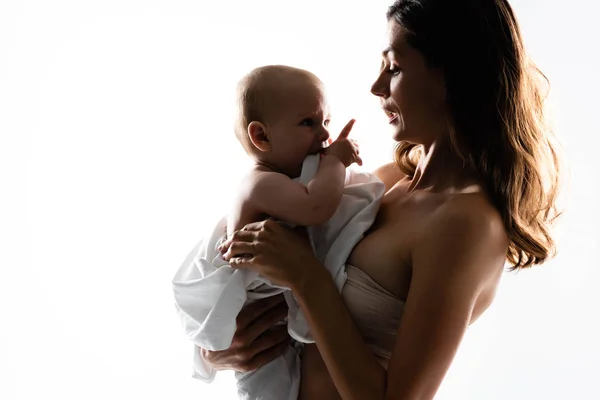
x,y
473,185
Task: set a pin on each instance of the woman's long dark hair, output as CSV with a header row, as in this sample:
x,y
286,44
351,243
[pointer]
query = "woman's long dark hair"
x,y
496,106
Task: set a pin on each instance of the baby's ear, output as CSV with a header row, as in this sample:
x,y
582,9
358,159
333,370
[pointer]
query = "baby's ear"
x,y
257,132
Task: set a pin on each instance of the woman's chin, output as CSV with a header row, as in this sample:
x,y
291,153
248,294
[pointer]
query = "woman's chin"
x,y
398,134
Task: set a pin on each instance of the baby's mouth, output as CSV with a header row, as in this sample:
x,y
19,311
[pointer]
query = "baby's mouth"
x,y
320,148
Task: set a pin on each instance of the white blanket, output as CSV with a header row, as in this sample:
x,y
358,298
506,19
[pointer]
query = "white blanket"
x,y
209,293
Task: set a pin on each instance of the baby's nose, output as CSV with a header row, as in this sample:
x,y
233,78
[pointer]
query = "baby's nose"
x,y
324,135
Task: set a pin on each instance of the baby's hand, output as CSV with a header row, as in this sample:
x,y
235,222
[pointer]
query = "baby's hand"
x,y
345,149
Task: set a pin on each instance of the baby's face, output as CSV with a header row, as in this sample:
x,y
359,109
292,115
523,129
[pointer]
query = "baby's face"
x,y
301,128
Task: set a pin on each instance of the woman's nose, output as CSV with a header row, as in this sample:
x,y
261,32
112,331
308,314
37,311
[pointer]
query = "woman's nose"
x,y
378,88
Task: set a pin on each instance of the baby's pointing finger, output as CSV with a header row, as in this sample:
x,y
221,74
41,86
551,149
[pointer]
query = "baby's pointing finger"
x,y
346,131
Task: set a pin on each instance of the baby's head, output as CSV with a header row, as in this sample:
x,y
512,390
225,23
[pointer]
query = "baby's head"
x,y
282,116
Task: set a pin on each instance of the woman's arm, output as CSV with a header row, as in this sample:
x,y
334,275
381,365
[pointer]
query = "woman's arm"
x,y
459,259
455,262
280,255
353,368
456,268
257,340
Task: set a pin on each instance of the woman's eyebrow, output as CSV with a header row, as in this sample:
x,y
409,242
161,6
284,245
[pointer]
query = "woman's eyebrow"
x,y
385,51
391,49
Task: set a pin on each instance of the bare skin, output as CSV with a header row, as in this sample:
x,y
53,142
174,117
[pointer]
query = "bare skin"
x,y
439,243
257,340
267,191
247,353
393,238
290,130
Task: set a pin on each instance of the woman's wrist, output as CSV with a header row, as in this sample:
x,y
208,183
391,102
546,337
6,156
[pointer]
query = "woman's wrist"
x,y
314,274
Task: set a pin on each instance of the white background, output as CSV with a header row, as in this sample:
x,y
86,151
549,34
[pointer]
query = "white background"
x,y
117,150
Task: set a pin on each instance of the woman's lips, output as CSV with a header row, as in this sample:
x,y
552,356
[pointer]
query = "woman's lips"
x,y
392,116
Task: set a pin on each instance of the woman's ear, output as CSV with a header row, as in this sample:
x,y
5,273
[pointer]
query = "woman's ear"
x,y
257,132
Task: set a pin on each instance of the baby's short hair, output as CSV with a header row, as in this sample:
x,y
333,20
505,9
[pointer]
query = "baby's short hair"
x,y
259,93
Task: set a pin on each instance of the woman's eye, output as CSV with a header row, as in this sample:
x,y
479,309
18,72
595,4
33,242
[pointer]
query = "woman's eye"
x,y
307,122
394,70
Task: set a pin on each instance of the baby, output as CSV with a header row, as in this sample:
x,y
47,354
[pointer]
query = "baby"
x,y
283,117
299,176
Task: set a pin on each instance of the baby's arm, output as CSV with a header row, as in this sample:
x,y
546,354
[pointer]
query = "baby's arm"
x,y
279,196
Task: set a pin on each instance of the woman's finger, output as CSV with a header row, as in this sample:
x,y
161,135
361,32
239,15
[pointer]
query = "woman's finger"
x,y
219,360
239,249
265,356
255,226
242,261
237,236
251,326
254,312
272,337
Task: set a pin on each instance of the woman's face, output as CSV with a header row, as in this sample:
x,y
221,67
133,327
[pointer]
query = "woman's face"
x,y
411,93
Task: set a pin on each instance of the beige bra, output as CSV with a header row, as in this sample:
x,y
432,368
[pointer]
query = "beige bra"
x,y
375,311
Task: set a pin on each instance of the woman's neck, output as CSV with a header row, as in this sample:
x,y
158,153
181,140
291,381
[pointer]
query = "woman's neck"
x,y
440,169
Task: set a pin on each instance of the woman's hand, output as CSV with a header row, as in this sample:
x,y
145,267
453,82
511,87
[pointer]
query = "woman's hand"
x,y
275,252
256,341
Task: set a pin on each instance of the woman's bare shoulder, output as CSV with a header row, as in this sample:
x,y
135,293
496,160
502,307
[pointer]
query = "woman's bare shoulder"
x,y
473,208
468,221
389,174
471,211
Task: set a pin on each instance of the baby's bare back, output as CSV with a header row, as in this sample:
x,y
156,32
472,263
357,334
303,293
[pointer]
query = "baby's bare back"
x,y
244,209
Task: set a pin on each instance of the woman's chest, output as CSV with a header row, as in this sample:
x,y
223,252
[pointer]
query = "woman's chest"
x,y
385,251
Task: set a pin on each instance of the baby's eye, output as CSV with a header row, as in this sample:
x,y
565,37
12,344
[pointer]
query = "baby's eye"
x,y
326,122
307,122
